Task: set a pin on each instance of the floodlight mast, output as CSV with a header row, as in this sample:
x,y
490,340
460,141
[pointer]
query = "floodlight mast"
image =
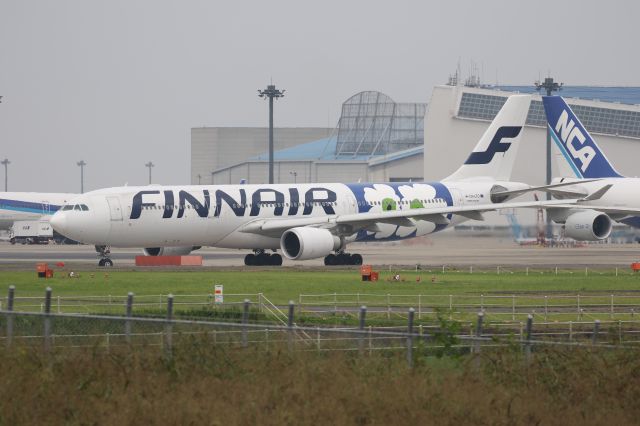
x,y
549,86
81,163
6,163
271,93
150,165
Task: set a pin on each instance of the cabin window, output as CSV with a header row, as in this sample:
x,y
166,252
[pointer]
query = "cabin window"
x,y
67,207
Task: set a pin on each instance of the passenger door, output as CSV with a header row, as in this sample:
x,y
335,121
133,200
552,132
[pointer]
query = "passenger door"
x,y
115,209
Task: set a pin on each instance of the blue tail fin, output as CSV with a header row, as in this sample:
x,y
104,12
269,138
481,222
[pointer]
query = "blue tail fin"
x,y
574,142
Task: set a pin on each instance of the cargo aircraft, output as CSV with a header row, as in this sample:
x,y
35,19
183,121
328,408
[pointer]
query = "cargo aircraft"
x,y
303,221
604,194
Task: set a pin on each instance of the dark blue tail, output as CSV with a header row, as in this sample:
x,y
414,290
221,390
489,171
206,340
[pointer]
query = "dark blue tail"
x,y
575,143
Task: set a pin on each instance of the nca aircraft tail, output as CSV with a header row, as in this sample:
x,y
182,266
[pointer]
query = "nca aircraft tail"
x,y
495,153
577,148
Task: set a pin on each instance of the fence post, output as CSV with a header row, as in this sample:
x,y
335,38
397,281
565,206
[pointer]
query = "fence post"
x,y
58,299
546,307
596,329
570,331
363,315
47,319
513,308
335,303
245,321
290,324
419,306
478,332
129,313
169,326
527,348
388,306
260,309
611,306
410,338
482,302
12,291
579,314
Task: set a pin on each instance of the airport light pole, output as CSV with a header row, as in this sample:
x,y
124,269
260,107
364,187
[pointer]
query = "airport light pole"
x,y
5,163
81,163
212,173
150,165
295,175
549,86
271,93
199,179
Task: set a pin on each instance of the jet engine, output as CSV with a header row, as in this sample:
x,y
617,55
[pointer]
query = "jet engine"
x,y
308,243
169,251
588,225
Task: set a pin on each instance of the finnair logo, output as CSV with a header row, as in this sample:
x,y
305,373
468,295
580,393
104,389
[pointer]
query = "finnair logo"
x,y
496,145
569,133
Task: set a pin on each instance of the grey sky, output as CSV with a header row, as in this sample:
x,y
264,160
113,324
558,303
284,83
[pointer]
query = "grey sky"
x,y
121,82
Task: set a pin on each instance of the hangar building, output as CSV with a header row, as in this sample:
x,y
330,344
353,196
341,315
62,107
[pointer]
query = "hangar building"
x,y
376,139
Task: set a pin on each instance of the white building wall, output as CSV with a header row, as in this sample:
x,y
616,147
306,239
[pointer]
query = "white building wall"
x,y
214,148
449,141
401,169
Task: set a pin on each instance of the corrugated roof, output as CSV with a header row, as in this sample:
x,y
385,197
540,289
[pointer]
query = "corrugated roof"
x,y
623,95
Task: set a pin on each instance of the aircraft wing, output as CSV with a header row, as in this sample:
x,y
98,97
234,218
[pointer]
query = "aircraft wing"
x,y
552,188
350,223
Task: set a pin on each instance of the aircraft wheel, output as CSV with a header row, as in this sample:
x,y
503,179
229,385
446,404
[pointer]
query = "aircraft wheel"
x,y
356,259
101,262
330,260
276,260
108,263
250,260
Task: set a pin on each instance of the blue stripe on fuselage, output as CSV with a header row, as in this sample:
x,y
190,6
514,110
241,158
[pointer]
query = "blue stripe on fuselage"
x,y
358,190
27,206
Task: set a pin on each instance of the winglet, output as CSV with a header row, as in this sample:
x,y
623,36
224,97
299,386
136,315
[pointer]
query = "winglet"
x,y
598,194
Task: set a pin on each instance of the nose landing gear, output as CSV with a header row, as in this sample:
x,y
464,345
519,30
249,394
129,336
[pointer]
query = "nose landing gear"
x,y
103,254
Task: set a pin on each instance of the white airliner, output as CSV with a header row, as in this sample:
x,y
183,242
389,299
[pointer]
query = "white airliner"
x,y
304,221
17,206
606,196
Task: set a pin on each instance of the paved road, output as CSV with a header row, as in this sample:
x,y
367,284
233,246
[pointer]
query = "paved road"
x,y
444,249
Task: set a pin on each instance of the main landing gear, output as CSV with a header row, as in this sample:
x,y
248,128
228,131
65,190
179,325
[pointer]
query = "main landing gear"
x,y
260,258
103,254
342,258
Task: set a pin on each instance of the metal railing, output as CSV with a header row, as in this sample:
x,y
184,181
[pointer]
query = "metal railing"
x,y
508,306
64,330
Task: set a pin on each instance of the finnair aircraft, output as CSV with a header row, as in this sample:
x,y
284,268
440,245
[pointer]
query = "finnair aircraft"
x,y
304,221
16,206
605,195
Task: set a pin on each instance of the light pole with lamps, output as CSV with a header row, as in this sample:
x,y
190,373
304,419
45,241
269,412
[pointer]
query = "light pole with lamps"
x,y
5,163
271,93
81,163
149,165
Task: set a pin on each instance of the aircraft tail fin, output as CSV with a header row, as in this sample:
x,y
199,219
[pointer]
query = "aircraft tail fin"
x,y
577,148
495,153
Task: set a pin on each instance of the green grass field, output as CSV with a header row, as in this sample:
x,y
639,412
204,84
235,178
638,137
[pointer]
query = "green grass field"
x,y
283,285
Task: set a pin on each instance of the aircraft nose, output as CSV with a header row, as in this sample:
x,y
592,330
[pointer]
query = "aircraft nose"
x,y
59,222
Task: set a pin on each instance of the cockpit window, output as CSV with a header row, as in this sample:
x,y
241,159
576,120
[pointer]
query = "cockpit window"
x,y
67,207
84,207
76,207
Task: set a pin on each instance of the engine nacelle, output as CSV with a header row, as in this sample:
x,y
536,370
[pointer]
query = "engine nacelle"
x,y
308,243
588,225
169,251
